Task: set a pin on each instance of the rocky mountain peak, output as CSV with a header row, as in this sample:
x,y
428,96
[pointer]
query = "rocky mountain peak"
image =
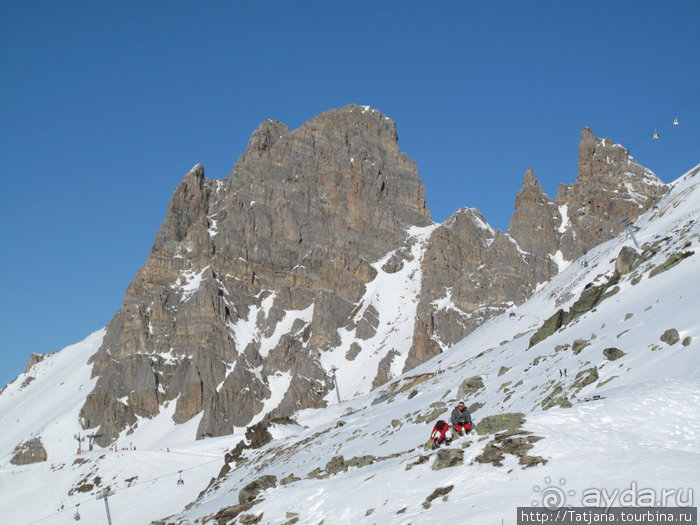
x,y
535,221
251,276
586,152
362,119
263,138
610,188
318,250
529,179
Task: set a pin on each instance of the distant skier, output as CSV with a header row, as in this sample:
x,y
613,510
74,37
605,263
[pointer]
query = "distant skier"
x,y
461,419
441,434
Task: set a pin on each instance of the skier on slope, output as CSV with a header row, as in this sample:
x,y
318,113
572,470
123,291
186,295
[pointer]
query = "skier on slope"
x,y
461,419
441,434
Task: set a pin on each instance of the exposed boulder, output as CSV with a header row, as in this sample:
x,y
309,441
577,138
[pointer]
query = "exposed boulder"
x,y
585,377
517,443
671,261
29,451
438,492
250,519
470,386
591,296
491,454
361,461
555,397
252,489
226,514
291,478
626,259
551,325
578,345
612,354
670,336
336,464
448,457
500,422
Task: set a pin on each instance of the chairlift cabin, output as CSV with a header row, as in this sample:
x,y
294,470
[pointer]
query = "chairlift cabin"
x,y
180,481
675,120
655,135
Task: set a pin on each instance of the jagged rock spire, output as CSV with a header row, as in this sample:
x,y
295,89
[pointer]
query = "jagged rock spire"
x,y
610,186
534,223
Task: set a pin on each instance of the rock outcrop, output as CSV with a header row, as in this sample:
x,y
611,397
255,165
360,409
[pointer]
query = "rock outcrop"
x,y
287,240
34,359
319,249
611,188
471,273
29,451
536,221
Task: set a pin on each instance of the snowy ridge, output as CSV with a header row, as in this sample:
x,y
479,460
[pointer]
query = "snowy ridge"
x,y
28,410
642,429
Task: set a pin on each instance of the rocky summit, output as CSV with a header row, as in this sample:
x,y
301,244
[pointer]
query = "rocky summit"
x,y
611,188
318,252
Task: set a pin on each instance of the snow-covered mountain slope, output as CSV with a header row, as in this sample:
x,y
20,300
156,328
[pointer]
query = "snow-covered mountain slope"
x,y
638,428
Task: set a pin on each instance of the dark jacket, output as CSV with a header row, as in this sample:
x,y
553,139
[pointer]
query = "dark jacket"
x,y
461,418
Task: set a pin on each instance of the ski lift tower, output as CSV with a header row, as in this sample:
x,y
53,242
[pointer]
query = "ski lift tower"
x,y
79,439
106,493
628,226
335,380
91,440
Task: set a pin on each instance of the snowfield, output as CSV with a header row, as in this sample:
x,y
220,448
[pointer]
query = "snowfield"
x,y
599,423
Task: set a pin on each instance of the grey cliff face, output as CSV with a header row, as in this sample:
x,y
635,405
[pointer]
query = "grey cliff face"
x,y
257,283
536,220
291,232
610,186
471,273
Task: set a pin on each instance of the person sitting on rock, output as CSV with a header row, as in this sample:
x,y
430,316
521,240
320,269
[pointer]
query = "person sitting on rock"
x,y
461,419
441,434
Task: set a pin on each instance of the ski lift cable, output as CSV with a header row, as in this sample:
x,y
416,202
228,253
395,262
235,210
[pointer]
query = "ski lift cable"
x,y
667,119
150,480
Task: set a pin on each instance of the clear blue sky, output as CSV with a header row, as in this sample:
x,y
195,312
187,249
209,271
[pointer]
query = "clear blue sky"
x,y
104,106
